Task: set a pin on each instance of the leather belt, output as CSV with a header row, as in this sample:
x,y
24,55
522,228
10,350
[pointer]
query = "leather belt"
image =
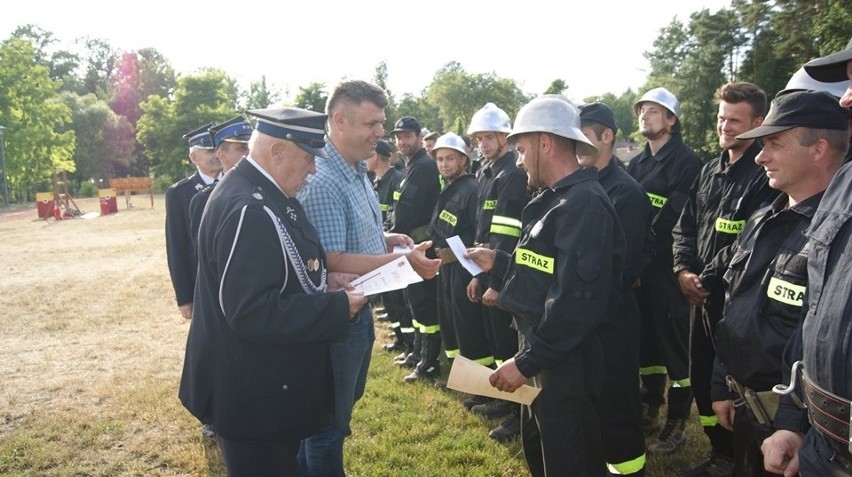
x,y
828,412
446,255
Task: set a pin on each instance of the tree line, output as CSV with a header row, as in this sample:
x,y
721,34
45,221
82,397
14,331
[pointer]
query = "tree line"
x,y
101,113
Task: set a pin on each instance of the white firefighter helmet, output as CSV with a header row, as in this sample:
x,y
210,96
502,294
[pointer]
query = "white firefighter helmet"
x,y
661,96
554,114
490,118
802,81
450,141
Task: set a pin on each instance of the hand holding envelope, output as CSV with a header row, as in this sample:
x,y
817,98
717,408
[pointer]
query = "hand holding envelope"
x,y
469,377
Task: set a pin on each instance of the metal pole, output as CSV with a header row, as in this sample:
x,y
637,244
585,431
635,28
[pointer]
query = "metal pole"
x,y
3,167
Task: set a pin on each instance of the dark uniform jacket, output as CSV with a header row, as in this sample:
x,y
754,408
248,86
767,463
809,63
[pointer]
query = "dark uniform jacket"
x,y
257,362
502,195
722,198
455,213
196,209
634,213
825,337
564,278
385,187
666,179
765,286
416,197
180,244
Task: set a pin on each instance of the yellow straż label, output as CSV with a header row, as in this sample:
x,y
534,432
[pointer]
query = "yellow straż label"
x,y
490,205
657,201
448,218
534,260
785,292
725,226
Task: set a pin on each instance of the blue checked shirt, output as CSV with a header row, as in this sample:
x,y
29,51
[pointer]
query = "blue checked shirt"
x,y
343,206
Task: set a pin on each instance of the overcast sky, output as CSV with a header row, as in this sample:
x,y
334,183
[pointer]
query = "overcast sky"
x,y
595,46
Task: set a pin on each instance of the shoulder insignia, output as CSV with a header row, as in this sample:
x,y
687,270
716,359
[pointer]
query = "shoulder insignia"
x,y
257,194
199,186
291,212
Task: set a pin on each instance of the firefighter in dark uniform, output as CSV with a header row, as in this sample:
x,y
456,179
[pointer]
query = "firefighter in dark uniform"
x,y
666,169
728,190
385,183
620,404
230,141
502,195
414,202
819,445
257,357
561,284
767,277
179,242
462,328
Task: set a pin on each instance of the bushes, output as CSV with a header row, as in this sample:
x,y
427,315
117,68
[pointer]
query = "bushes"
x,y
88,189
161,183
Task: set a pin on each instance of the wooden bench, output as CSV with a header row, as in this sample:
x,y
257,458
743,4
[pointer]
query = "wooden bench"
x,y
129,185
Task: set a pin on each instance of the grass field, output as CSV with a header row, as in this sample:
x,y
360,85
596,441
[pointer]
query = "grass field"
x,y
91,349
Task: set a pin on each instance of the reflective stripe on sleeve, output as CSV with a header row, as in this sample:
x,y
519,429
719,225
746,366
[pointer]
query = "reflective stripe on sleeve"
x,y
785,292
725,226
628,467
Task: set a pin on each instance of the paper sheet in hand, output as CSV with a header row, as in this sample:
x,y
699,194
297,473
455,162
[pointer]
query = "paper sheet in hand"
x,y
390,276
472,378
459,249
401,249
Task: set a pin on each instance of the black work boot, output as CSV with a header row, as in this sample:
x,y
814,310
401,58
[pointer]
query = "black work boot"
x,y
411,359
509,428
428,368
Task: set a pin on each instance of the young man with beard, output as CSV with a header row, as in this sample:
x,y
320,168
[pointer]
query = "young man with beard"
x,y
728,190
561,284
502,195
666,169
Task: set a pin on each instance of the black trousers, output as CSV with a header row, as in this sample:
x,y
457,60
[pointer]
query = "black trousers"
x,y
396,306
620,402
502,336
821,457
560,431
702,352
260,458
664,345
461,316
423,300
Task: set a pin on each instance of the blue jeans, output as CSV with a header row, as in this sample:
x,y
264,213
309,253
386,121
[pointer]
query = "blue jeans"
x,y
321,455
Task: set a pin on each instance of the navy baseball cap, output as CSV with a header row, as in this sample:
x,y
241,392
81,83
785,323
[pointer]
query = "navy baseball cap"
x,y
598,113
807,109
406,124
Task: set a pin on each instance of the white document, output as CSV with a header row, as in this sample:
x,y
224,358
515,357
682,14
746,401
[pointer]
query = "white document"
x,y
459,250
401,249
390,276
469,377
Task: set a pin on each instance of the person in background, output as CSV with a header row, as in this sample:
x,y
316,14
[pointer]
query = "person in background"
x,y
620,403
179,242
666,168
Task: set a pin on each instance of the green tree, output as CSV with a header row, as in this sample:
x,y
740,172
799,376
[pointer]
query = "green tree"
x,y
259,95
312,97
62,63
99,63
557,86
210,95
417,107
105,144
622,110
457,95
32,116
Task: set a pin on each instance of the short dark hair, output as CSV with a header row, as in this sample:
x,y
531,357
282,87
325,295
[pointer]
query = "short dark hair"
x,y
356,92
741,91
598,129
